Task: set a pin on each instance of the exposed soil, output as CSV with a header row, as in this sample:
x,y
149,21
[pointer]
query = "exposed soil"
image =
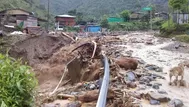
x,y
37,52
38,49
48,55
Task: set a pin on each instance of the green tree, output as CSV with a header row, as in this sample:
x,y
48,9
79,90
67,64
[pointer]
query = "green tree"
x,y
72,12
125,15
79,15
178,4
104,22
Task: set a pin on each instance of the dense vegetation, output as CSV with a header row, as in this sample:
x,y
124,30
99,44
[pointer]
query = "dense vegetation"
x,y
17,83
172,28
98,8
128,26
132,25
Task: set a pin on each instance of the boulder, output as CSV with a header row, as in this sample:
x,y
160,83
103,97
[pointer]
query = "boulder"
x,y
73,104
131,84
145,79
162,92
158,97
175,103
130,76
155,86
154,102
127,63
149,42
154,68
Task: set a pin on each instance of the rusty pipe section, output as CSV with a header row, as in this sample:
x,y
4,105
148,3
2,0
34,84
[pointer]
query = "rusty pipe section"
x,y
105,84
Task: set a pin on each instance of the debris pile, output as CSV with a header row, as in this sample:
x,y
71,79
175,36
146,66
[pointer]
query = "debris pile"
x,y
70,71
38,48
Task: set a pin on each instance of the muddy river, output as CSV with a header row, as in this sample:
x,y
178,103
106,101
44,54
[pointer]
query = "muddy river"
x,y
160,53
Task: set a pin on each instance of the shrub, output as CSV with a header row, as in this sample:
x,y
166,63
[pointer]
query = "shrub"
x,y
125,15
104,22
183,38
114,27
157,22
18,28
129,26
17,83
71,29
183,28
168,25
169,29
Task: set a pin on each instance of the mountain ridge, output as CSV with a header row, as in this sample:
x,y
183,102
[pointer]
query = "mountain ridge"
x,y
98,8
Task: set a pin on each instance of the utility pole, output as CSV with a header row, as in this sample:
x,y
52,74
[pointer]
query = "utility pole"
x,y
151,15
48,17
151,19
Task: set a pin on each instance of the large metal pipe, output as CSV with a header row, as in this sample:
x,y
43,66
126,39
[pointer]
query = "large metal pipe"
x,y
105,83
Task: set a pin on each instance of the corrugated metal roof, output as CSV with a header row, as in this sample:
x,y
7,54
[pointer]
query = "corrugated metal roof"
x,y
134,15
3,11
65,15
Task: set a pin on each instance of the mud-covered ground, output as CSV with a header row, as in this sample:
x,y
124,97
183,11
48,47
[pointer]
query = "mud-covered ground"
x,y
166,54
48,55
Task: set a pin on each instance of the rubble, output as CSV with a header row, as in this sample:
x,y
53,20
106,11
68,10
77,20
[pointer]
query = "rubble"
x,y
51,105
175,103
154,67
177,46
55,55
131,84
162,92
149,41
155,86
16,33
158,97
154,102
127,63
130,76
73,104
